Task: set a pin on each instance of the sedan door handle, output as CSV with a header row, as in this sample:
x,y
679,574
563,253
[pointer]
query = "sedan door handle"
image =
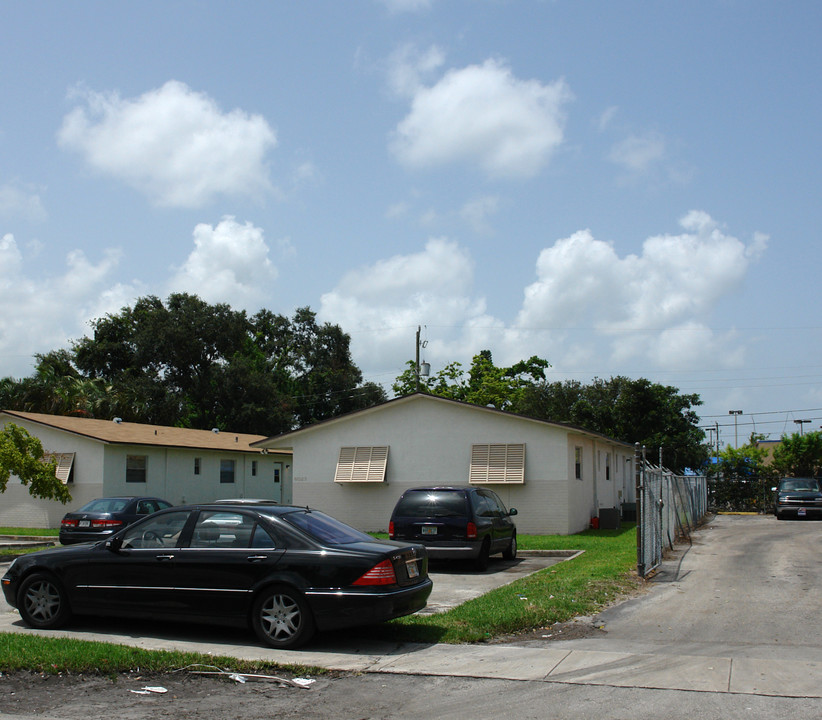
x,y
257,558
164,557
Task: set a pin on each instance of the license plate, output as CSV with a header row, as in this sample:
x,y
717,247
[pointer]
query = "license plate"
x,y
429,530
802,511
84,523
413,569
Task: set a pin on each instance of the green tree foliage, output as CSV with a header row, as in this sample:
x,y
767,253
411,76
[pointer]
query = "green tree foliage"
x,y
799,455
484,383
654,415
741,479
191,364
21,454
628,410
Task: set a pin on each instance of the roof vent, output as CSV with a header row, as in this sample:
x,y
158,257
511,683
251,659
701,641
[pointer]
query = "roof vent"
x,y
118,420
215,430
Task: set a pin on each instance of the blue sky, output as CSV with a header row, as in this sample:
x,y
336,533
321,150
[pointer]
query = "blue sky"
x,y
618,187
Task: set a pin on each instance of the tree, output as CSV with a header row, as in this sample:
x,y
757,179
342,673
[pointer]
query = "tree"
x,y
799,455
657,416
485,383
187,363
21,454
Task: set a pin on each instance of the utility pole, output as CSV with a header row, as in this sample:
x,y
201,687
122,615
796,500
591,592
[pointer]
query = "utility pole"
x,y
736,414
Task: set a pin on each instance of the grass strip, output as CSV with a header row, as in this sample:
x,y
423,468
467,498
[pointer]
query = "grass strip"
x,y
580,586
38,532
67,655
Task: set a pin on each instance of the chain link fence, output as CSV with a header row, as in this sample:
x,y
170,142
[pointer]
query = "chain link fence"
x,y
669,508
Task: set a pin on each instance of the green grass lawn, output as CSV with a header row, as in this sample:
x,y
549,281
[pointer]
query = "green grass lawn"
x,y
581,586
39,532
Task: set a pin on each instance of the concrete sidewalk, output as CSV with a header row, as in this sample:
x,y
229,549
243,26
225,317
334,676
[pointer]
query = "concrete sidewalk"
x,y
552,663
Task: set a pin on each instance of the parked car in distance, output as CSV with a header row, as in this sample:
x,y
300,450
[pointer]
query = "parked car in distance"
x,y
103,517
797,497
284,571
455,522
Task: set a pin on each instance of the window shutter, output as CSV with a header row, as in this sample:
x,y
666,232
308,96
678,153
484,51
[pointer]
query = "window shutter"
x,y
497,463
362,464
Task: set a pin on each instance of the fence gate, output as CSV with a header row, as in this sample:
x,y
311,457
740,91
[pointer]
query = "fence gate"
x,y
649,520
668,507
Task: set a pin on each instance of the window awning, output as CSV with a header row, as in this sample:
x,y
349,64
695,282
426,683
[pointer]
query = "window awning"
x,y
497,463
362,464
64,463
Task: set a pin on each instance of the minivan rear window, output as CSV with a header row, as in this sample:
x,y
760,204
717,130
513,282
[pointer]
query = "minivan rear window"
x,y
431,503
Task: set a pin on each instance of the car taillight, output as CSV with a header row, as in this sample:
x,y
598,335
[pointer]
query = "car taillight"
x,y
380,574
106,523
68,522
391,529
471,531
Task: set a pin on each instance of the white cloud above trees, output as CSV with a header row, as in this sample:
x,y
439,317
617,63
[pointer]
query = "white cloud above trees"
x,y
173,144
480,115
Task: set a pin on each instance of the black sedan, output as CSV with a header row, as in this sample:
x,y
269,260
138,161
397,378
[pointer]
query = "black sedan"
x,y
797,497
285,571
103,517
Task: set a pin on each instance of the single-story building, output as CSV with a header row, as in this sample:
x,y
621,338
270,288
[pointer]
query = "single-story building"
x,y
99,458
356,466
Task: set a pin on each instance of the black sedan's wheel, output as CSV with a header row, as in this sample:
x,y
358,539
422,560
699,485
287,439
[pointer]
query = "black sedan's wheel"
x,y
510,553
281,617
42,602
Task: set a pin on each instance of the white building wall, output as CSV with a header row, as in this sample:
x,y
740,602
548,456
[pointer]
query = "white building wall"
x,y
430,443
100,470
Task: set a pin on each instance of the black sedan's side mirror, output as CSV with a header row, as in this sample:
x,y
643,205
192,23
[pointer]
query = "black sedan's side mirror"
x,y
114,544
512,511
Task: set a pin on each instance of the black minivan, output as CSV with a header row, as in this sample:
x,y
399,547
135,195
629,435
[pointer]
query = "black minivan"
x,y
455,522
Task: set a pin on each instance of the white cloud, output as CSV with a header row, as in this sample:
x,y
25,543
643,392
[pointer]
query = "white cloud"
x,y
19,201
381,304
639,153
653,305
480,114
44,312
229,264
590,307
173,144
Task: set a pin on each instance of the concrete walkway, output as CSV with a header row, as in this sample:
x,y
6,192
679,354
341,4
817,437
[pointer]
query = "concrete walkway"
x,y
552,663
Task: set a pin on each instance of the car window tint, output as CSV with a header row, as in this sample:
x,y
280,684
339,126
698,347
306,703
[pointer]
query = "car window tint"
x,y
431,503
222,530
500,505
156,532
105,505
324,528
485,506
261,539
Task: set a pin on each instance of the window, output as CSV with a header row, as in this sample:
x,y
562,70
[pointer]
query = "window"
x,y
607,466
196,466
253,468
136,468
362,464
227,471
578,463
497,463
157,532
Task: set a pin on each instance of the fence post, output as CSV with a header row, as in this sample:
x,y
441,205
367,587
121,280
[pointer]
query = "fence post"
x,y
640,557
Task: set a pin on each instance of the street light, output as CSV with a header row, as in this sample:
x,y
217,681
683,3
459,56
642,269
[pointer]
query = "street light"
x,y
801,424
736,414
